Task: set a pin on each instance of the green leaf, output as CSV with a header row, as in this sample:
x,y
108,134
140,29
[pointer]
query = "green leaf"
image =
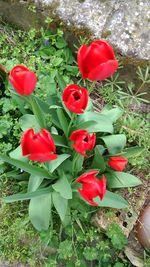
x,y
60,205
40,212
26,196
86,125
90,105
114,143
29,121
20,102
100,122
121,179
112,200
132,152
34,183
59,140
56,61
63,121
98,161
54,164
26,166
17,154
77,163
38,112
63,187
61,43
112,114
60,81
43,104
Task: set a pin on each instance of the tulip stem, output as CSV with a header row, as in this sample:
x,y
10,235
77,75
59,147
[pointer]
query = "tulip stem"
x,y
92,87
71,121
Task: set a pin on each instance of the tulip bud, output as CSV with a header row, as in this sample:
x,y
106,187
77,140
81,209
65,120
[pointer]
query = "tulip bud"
x,y
75,98
23,80
117,163
92,186
83,141
38,146
97,61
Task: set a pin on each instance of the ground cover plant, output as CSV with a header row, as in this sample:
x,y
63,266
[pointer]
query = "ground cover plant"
x,y
65,73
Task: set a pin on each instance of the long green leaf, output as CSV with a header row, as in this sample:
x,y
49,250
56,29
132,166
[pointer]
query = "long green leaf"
x,y
112,200
59,140
100,122
77,163
38,112
63,187
17,154
114,143
54,164
26,196
34,183
112,114
29,121
40,212
121,179
60,204
26,166
98,161
63,121
132,152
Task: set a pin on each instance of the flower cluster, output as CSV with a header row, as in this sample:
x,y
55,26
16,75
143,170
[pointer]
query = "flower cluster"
x,y
96,62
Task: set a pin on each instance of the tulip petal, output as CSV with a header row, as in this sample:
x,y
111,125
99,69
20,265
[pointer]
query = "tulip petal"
x,y
87,176
95,57
117,163
48,139
76,133
42,157
29,82
16,85
26,141
107,49
103,71
85,196
82,53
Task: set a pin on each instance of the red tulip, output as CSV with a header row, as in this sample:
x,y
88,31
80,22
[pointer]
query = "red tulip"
x,y
83,141
75,98
38,146
23,80
92,186
117,163
97,61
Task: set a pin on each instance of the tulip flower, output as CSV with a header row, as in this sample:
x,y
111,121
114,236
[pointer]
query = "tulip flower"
x,y
23,80
92,186
97,61
38,146
117,163
75,98
83,141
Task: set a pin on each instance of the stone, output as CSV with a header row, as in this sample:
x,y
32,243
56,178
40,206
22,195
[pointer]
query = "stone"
x,y
125,24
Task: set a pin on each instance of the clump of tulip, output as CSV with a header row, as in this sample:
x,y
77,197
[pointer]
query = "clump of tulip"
x,y
79,152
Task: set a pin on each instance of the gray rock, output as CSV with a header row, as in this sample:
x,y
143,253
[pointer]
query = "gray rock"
x,y
125,24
